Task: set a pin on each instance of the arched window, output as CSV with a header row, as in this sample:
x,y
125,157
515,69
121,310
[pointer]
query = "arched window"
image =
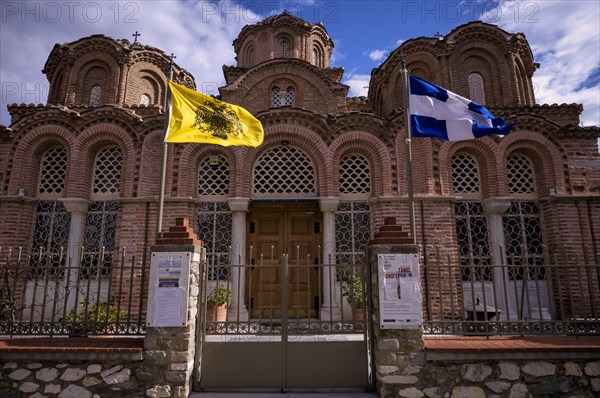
x,y
355,174
276,98
213,176
107,171
315,56
52,172
284,170
290,96
250,57
96,95
520,174
465,174
145,100
283,48
476,90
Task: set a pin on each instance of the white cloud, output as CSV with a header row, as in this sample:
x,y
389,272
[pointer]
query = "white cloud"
x,y
359,84
377,55
565,40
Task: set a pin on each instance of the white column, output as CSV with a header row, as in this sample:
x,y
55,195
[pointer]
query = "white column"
x,y
78,209
237,309
330,306
493,208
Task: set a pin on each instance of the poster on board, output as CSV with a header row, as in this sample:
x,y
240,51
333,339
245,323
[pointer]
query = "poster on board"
x,y
169,289
400,301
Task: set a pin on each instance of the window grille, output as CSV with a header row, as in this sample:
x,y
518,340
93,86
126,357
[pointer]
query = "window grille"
x,y
213,226
524,241
50,240
145,100
465,174
251,57
52,171
476,88
520,174
315,56
213,176
355,174
95,95
99,240
283,48
276,98
290,96
352,232
472,239
284,170
107,170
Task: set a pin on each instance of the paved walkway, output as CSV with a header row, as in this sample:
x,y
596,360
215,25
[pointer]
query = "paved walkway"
x,y
345,394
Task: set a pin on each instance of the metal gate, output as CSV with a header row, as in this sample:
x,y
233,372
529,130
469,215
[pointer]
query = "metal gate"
x,y
299,334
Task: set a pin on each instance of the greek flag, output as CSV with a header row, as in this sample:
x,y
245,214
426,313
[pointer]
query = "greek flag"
x,y
439,113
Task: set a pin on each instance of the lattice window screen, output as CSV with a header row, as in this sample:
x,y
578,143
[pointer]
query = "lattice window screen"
x,y
465,174
524,241
276,98
213,226
315,55
52,171
213,176
352,232
476,88
520,174
283,48
284,170
250,58
50,240
145,100
96,95
472,237
99,240
355,174
290,96
107,170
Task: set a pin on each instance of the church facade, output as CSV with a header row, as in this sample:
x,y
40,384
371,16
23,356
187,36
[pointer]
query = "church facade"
x,y
81,173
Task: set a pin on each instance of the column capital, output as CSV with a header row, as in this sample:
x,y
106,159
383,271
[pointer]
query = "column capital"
x,y
238,204
328,204
496,205
76,205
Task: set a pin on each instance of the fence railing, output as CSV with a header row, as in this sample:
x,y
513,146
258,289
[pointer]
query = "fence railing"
x,y
48,294
514,296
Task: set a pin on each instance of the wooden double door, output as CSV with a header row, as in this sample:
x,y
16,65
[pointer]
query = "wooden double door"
x,y
275,231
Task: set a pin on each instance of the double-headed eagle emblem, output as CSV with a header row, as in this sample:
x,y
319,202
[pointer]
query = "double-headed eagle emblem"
x,y
219,121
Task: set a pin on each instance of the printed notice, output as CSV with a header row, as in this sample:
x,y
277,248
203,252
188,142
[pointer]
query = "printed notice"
x,y
167,307
400,302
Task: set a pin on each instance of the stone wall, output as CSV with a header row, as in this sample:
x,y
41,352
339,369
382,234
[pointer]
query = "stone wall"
x,y
412,375
83,379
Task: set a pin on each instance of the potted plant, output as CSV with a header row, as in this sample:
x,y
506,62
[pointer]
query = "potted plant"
x,y
216,304
353,291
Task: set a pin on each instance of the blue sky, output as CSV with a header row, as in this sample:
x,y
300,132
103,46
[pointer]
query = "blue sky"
x,y
564,36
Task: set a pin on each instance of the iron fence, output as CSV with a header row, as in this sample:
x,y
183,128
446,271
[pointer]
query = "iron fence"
x,y
47,293
511,295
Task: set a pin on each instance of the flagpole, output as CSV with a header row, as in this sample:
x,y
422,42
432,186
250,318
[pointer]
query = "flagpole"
x,y
409,176
163,172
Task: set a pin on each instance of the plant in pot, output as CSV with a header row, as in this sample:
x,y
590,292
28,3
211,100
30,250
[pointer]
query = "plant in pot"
x,y
353,291
216,304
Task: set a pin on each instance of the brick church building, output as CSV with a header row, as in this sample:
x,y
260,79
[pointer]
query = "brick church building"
x,y
81,174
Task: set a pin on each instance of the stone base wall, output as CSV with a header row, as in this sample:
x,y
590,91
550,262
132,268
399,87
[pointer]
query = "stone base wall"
x,y
84,379
413,376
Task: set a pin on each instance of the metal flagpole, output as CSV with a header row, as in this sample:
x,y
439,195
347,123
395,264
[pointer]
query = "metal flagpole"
x,y
409,176
163,175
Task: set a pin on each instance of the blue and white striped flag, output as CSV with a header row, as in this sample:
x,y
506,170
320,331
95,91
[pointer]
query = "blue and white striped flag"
x,y
439,113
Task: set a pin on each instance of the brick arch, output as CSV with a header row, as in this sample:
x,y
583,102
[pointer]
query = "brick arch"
x,y
252,90
148,181
300,137
139,76
485,151
90,141
546,159
189,163
370,147
424,157
28,154
80,92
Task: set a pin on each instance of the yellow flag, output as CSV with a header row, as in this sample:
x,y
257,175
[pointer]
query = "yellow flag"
x,y
197,117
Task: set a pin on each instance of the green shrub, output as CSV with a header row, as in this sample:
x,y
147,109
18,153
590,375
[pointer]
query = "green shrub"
x,y
97,317
219,296
352,289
